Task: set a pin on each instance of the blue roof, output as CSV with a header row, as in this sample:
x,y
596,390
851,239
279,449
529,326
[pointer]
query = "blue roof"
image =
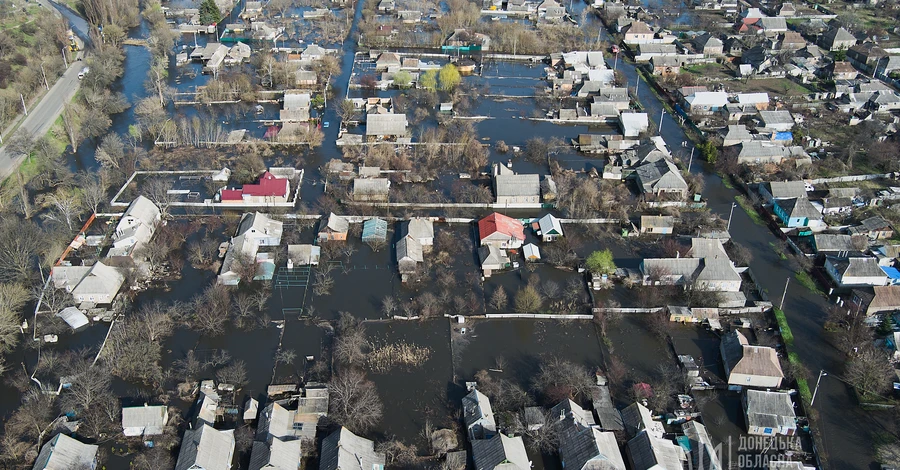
x,y
784,136
892,273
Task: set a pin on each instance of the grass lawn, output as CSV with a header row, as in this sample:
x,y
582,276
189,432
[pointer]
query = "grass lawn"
x,y
711,71
807,281
773,86
749,209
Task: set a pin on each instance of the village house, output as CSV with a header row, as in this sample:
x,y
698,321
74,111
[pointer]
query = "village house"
x,y
343,450
206,448
776,121
749,366
855,271
492,259
877,299
550,10
705,102
661,177
334,228
501,231
638,33
581,445
791,41
661,224
703,452
617,97
511,188
665,66
647,452
144,420
735,134
135,228
295,108
97,284
758,152
269,190
374,231
371,189
464,41
608,416
840,70
419,229
275,454
303,255
387,62
409,255
549,228
708,45
836,39
478,416
774,190
760,101
832,243
64,452
798,212
876,228
386,127
254,231
409,16
633,124
637,418
836,205
646,52
304,77
769,413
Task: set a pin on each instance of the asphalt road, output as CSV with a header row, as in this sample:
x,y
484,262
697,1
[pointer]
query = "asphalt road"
x,y
40,119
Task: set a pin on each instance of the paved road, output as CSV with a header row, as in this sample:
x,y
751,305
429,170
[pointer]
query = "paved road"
x,y
42,117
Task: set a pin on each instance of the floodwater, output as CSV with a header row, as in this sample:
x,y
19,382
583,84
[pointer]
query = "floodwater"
x,y
513,347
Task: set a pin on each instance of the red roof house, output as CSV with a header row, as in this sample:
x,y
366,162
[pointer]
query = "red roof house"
x,y
269,189
501,231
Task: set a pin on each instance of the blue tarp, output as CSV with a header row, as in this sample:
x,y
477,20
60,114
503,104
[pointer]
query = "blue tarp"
x,y
784,136
892,273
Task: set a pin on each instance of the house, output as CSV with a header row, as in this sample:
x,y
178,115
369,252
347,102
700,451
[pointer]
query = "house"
x,y
778,121
638,33
855,271
632,124
409,255
647,452
791,41
836,205
295,109
270,189
618,97
877,299
374,231
343,450
304,255
335,228
371,189
501,231
136,227
387,61
582,446
144,420
419,229
841,70
96,284
206,448
512,188
706,102
703,452
286,425
637,419
549,228
661,177
787,9
254,231
64,452
771,26
736,134
304,77
832,243
500,452
758,152
531,252
386,126
665,66
276,454
714,274
492,259
836,39
749,366
758,100
769,413
409,16
663,224
884,101
876,228
478,415
646,52
775,190
797,212
608,416
464,41
708,45
551,10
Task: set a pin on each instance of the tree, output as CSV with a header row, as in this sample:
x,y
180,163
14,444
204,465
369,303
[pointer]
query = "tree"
x,y
209,12
708,151
558,379
402,79
449,77
528,300
234,374
601,262
354,401
20,245
499,300
870,371
351,345
429,80
64,207
93,191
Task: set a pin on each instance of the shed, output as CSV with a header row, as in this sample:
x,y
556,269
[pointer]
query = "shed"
x,y
374,231
550,228
144,420
73,317
531,252
303,255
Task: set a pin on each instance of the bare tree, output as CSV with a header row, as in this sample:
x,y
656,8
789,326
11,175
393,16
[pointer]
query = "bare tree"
x,y
351,344
93,191
528,300
388,305
354,401
20,244
870,371
499,301
558,379
234,374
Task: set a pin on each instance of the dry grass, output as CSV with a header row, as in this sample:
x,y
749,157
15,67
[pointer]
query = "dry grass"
x,y
385,358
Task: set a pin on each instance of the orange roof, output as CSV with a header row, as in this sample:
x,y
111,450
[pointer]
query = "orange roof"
x,y
501,223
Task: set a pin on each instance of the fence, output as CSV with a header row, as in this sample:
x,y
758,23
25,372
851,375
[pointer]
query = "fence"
x,y
628,310
845,179
540,316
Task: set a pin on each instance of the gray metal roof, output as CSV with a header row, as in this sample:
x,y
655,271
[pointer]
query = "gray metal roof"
x,y
799,207
608,416
507,453
832,242
637,418
152,418
206,448
346,451
386,125
477,408
769,409
549,224
418,228
770,118
277,455
660,175
647,452
64,452
337,223
409,249
518,185
703,452
582,447
371,186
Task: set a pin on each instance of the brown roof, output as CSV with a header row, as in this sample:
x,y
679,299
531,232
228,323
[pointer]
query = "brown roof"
x,y
639,27
886,297
750,360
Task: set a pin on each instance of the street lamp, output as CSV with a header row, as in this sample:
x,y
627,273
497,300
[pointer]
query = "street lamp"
x,y
728,228
821,373
662,113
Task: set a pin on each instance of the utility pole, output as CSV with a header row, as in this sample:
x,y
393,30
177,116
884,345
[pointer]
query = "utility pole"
x,y
691,160
727,229
637,87
44,74
821,373
781,306
65,62
662,113
24,108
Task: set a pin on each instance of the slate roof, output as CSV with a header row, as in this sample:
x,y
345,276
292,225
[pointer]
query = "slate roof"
x,y
608,416
346,451
386,125
858,266
703,452
638,27
657,221
787,189
885,297
477,408
583,447
277,455
660,175
834,35
871,224
490,255
101,280
410,248
647,451
770,118
741,358
337,223
799,207
769,409
64,452
737,132
418,228
151,418
505,453
206,448
518,185
832,242
637,418
371,186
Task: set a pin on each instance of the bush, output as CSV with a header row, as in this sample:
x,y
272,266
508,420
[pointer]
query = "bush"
x,y
786,333
601,262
